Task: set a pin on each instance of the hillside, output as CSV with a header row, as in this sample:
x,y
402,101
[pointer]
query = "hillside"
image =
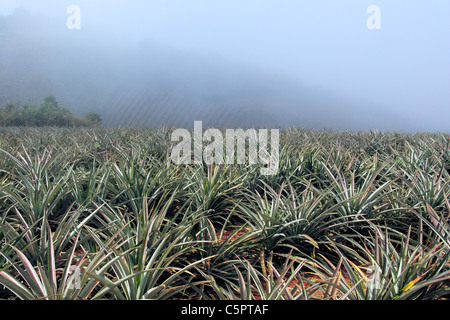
x,y
149,84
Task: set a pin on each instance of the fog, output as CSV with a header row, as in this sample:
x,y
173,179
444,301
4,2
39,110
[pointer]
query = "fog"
x,y
315,64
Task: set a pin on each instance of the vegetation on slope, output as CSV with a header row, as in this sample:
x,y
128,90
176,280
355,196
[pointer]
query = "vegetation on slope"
x,y
48,114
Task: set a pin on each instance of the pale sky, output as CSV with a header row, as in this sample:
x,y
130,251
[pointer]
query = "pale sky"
x,y
404,66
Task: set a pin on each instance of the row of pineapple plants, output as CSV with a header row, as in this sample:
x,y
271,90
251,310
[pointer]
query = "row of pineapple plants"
x,y
104,214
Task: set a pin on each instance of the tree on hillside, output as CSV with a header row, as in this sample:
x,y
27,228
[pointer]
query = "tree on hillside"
x,y
49,113
93,118
50,104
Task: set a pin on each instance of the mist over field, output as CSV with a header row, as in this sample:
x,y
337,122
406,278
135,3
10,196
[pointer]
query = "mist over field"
x,y
106,193
233,63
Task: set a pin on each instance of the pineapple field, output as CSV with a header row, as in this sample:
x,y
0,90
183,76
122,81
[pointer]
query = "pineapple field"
x,y
102,213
